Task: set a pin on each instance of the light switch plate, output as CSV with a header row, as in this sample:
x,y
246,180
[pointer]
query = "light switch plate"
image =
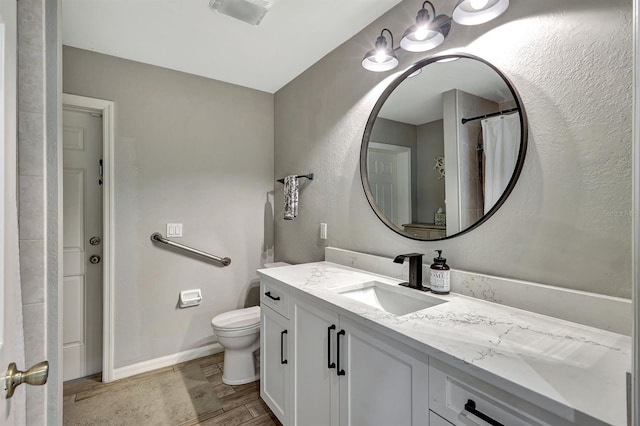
x,y
174,230
323,231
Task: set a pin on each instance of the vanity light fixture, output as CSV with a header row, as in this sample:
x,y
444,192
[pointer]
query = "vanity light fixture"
x,y
476,12
381,58
428,32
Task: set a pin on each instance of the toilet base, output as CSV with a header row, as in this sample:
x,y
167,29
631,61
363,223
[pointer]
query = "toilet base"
x,y
240,367
239,382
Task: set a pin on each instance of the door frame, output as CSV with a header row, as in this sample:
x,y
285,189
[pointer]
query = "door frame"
x,y
633,380
107,109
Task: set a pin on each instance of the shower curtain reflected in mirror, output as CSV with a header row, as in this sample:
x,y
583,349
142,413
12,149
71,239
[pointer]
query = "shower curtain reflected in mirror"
x,y
500,135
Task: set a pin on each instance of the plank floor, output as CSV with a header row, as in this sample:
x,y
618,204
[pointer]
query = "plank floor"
x,y
241,405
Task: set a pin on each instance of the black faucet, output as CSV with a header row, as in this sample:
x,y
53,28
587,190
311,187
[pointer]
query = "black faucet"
x,y
415,270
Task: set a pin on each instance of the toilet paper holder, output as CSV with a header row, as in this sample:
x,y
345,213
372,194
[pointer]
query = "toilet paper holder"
x,y
190,298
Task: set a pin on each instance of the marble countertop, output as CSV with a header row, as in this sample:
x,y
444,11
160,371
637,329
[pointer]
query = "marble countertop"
x,y
558,365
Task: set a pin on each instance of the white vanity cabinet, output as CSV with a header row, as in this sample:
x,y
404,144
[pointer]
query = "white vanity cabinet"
x,y
459,399
347,374
436,420
275,351
465,362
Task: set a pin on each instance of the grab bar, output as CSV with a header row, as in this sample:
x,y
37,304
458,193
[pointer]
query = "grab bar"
x,y
157,237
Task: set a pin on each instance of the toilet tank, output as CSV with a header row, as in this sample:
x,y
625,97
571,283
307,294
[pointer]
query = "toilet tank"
x,y
276,264
253,294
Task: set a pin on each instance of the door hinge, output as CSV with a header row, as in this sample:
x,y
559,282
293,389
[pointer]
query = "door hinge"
x,y
100,172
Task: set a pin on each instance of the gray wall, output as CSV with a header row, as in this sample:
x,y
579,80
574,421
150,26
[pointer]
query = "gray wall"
x,y
191,150
430,189
567,222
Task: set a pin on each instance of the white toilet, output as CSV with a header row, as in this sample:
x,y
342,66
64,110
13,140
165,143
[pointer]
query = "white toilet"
x,y
238,333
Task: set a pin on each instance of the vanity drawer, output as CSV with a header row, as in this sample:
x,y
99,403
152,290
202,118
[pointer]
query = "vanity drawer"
x,y
463,405
276,296
436,420
464,400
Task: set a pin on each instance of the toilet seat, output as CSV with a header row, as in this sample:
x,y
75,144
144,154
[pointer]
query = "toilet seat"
x,y
237,321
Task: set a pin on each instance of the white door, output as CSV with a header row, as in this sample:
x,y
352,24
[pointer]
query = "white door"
x,y
381,385
12,411
315,383
383,177
83,235
389,172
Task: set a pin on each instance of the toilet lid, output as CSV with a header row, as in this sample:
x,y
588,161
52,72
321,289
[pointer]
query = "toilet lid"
x,y
240,318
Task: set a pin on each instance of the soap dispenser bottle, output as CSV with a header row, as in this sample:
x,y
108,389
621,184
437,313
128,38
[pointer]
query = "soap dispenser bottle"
x,y
440,281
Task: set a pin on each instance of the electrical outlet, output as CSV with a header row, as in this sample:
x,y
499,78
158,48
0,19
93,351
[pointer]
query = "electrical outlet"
x,y
174,230
323,231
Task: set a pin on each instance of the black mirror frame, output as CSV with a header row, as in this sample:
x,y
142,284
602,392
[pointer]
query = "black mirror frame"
x,y
374,114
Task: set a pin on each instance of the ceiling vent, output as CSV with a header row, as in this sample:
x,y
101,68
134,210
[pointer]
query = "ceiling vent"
x,y
249,11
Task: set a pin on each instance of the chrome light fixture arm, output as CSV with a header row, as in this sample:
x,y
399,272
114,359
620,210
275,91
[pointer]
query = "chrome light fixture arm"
x,y
423,14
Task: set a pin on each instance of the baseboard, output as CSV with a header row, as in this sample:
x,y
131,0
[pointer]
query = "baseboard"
x,y
166,361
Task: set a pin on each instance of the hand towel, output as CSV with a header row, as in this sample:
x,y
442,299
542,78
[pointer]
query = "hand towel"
x,y
290,197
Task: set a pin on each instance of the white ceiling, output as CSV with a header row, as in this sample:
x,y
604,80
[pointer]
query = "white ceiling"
x,y
418,100
186,35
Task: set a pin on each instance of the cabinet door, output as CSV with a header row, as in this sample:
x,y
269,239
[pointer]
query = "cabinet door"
x,y
275,362
315,383
382,384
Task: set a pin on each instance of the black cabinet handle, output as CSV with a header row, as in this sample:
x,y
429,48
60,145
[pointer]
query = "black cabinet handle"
x,y
329,363
282,360
470,406
341,372
268,294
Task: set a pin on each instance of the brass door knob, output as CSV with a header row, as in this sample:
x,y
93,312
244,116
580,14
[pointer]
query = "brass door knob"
x,y
36,375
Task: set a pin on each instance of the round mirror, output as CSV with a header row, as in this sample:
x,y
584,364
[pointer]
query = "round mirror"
x,y
443,147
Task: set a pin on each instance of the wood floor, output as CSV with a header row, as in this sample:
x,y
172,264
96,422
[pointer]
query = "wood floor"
x,y
241,405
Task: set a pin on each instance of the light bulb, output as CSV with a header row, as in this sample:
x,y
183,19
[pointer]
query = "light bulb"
x,y
478,4
421,33
381,56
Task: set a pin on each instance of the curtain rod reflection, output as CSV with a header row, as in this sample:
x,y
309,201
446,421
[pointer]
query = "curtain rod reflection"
x,y
480,117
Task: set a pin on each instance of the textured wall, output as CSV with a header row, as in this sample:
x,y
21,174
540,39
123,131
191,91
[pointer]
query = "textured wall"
x,y
567,222
191,150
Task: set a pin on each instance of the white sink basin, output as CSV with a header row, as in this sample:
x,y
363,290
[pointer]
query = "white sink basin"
x,y
392,299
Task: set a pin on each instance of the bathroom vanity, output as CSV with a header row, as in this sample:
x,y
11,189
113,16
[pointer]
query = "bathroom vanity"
x,y
429,231
341,346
